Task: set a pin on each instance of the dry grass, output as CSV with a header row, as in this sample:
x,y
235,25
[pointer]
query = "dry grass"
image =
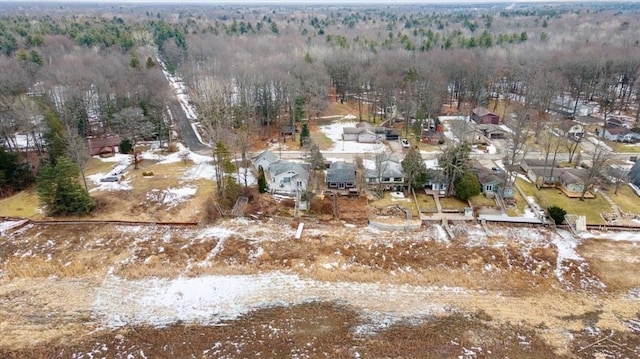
x,y
388,200
481,200
614,263
623,147
516,289
95,165
23,204
626,199
337,108
426,203
590,207
123,205
452,203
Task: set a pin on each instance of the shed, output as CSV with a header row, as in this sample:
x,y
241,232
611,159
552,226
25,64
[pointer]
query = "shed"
x,y
482,115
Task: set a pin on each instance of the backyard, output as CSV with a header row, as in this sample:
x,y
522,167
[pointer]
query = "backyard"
x,y
590,207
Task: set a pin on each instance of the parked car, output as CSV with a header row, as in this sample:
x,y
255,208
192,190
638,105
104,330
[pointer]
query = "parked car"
x,y
109,178
405,143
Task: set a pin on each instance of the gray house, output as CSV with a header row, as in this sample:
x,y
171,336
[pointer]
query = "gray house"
x,y
491,183
264,160
341,175
388,173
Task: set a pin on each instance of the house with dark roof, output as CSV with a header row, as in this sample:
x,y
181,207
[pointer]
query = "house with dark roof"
x,y
571,129
387,173
341,175
104,146
432,137
492,183
482,115
491,131
616,133
572,181
528,163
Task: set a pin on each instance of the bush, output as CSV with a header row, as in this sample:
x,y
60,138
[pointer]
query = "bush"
x,y
147,174
173,147
126,146
557,214
467,186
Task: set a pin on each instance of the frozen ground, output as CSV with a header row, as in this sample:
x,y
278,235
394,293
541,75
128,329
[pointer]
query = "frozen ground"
x,y
334,132
211,299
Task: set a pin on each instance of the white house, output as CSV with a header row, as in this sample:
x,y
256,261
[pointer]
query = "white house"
x,y
288,178
615,133
363,132
264,160
570,128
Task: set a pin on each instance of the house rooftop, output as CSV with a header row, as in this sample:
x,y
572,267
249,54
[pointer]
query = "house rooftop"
x,y
567,124
341,172
482,111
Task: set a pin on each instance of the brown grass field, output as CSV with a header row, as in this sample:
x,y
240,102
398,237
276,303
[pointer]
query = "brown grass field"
x,y
515,309
503,293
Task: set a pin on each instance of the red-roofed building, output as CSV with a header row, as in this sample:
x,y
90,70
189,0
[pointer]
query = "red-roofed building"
x,y
482,115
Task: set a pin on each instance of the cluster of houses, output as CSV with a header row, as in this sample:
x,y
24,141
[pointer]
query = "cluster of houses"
x,y
384,172
364,132
544,174
618,130
291,177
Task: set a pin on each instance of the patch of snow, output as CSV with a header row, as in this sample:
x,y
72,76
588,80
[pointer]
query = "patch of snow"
x,y
613,236
7,225
599,143
432,163
211,299
397,195
171,196
201,170
491,149
117,157
334,132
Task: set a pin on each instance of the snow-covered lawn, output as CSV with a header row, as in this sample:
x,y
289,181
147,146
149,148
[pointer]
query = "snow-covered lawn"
x,y
334,133
171,197
201,168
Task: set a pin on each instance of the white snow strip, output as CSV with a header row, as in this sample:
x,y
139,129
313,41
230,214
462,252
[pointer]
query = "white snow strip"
x,y
211,299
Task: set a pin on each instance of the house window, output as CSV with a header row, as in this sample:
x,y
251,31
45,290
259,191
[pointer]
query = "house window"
x,y
299,183
386,179
286,179
488,187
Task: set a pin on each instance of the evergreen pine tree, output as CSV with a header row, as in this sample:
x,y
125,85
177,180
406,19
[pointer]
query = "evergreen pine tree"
x,y
60,191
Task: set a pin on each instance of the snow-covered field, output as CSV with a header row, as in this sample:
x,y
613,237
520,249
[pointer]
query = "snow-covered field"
x,y
201,168
211,299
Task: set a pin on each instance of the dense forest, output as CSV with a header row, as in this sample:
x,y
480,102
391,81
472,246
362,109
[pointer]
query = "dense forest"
x,y
72,71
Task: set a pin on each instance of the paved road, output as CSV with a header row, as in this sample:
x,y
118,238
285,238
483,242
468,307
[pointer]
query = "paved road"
x,y
187,133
